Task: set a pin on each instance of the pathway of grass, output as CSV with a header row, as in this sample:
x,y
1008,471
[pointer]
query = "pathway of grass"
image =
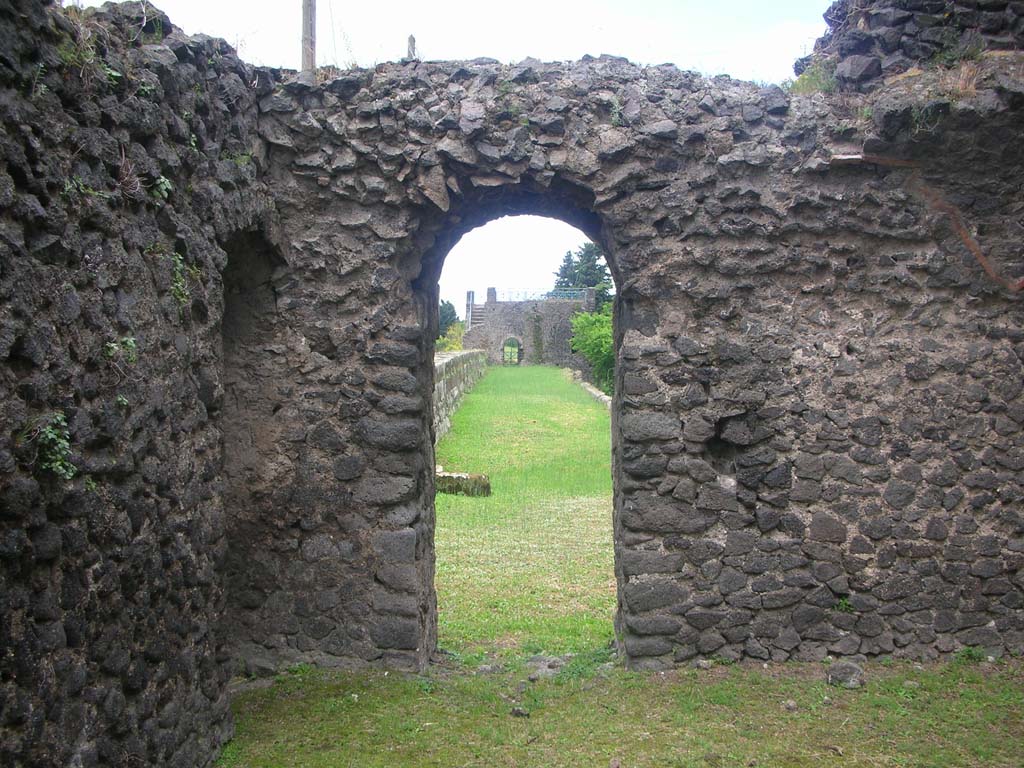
x,y
530,569
951,715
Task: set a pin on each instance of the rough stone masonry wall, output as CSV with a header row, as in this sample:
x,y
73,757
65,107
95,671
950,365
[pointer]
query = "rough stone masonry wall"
x,y
543,329
878,38
455,373
816,429
817,425
109,584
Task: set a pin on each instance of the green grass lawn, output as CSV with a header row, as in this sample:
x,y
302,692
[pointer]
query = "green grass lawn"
x,y
530,569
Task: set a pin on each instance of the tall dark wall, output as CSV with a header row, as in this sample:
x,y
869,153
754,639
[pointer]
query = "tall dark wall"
x,y
109,590
817,425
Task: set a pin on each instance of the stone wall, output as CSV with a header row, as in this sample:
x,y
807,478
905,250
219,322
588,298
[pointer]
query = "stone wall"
x,y
226,284
455,373
118,195
801,464
877,38
543,328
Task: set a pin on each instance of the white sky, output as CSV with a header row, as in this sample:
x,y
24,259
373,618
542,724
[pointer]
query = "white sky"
x,y
511,253
748,39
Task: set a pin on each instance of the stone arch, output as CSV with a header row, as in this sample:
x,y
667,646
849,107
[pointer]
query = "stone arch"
x,y
730,233
512,350
819,418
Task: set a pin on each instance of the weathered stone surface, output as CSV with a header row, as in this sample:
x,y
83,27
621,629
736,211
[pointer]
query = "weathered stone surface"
x,y
818,390
827,528
873,39
859,68
650,426
844,674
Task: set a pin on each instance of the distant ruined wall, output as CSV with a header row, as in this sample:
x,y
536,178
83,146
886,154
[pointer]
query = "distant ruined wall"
x,y
226,285
878,38
455,373
543,327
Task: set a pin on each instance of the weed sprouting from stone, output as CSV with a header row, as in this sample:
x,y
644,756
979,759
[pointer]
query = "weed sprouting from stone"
x,y
75,187
956,48
615,108
819,77
124,350
52,441
179,281
970,655
161,188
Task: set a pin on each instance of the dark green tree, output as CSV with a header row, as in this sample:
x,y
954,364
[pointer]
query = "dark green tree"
x,y
592,272
565,277
448,317
586,268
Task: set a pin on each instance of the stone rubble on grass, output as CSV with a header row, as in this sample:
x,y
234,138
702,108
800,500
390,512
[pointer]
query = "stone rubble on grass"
x,y
462,483
845,674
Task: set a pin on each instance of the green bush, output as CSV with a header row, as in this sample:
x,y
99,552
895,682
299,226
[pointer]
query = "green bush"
x,y
819,77
53,447
592,338
446,317
452,339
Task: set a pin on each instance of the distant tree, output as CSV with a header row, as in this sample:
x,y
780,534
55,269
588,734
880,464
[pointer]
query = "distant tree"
x,y
592,272
448,316
586,268
565,277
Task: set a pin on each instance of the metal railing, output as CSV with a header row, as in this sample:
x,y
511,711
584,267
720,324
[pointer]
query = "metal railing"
x,y
573,294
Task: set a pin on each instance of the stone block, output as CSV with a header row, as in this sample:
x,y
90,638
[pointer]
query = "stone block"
x,y
462,483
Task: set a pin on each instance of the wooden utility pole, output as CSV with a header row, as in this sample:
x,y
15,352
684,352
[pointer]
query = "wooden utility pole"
x,y
309,38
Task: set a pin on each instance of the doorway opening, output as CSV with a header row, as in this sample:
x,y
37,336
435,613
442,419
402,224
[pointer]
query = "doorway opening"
x,y
529,570
253,411
511,351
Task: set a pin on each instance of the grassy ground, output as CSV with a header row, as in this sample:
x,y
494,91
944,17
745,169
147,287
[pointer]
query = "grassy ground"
x,y
955,714
530,569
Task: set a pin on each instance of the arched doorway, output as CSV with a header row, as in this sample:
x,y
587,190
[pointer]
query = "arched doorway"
x,y
511,351
529,568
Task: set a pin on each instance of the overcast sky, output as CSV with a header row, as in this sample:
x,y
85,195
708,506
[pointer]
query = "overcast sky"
x,y
748,39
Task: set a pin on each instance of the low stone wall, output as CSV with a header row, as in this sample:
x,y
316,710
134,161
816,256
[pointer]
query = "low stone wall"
x,y
591,390
455,373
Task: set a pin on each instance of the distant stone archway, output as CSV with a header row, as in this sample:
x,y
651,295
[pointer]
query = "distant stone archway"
x,y
512,351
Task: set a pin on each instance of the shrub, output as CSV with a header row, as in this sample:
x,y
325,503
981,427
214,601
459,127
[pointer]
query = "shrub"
x,y
452,339
52,441
819,77
592,338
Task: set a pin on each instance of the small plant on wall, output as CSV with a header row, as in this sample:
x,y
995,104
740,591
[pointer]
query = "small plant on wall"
x,y
818,77
51,440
